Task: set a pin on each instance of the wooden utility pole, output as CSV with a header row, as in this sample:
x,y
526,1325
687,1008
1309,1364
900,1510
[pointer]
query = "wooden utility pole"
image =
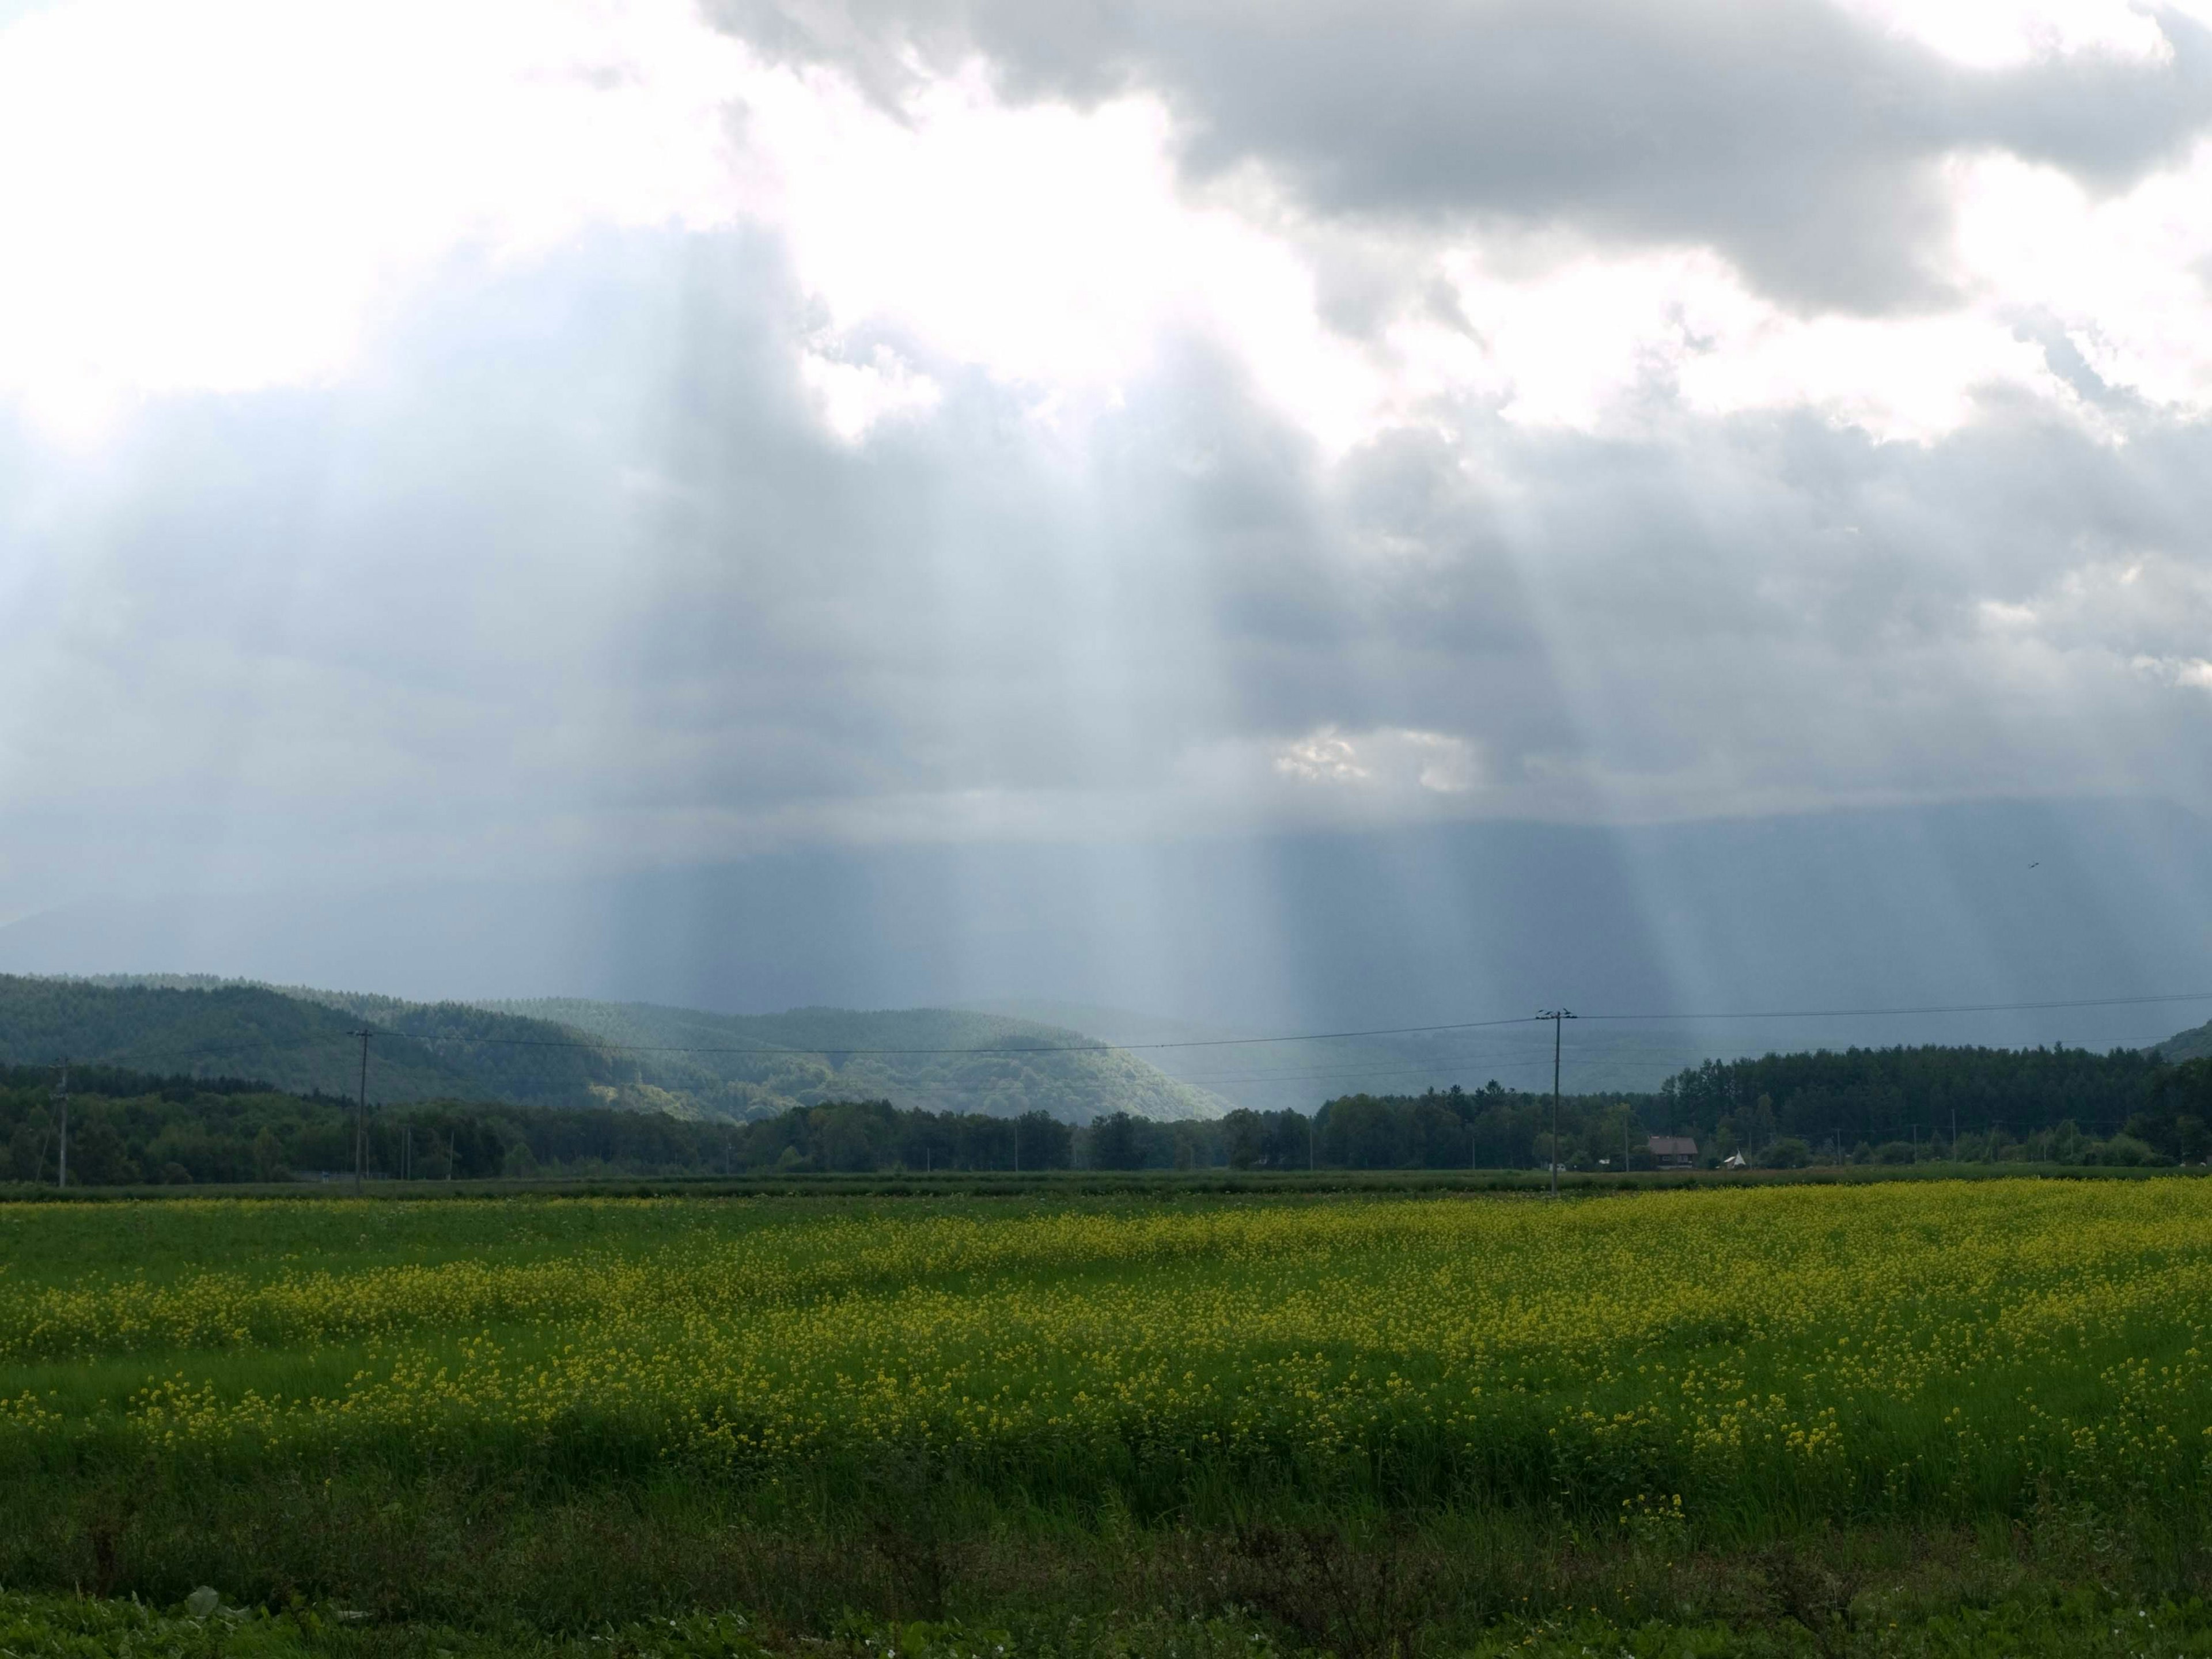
x,y
1555,1015
61,1103
360,1115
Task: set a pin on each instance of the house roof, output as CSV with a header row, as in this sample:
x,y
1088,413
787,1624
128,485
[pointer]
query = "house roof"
x,y
1671,1146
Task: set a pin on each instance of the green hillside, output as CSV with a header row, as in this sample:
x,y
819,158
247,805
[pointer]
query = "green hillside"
x,y
216,1031
753,1064
574,1053
2195,1043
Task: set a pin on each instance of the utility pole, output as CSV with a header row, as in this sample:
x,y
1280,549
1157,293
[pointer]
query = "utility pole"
x,y
1555,1015
1310,1141
1018,1145
1954,1134
360,1115
61,1102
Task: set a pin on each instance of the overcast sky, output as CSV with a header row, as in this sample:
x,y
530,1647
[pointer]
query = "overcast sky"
x,y
523,438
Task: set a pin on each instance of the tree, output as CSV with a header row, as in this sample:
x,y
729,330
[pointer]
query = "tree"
x,y
1436,1137
1047,1143
1116,1142
1360,1132
98,1156
28,1147
1787,1153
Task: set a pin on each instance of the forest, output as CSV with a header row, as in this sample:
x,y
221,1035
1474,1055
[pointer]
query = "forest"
x,y
1859,1105
683,1062
1865,1106
127,1128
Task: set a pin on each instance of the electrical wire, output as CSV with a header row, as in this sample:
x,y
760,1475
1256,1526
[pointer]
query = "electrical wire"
x,y
611,1047
1319,1036
1941,1008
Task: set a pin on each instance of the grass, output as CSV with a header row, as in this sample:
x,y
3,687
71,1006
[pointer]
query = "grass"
x,y
1088,1183
1915,1417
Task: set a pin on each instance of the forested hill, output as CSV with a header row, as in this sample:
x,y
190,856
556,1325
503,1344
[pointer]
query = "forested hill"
x,y
226,1030
922,1059
581,1053
2195,1043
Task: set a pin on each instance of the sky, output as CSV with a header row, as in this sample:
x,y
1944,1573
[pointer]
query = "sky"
x,y
555,445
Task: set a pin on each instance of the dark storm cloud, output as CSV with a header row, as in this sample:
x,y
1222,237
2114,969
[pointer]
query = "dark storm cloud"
x,y
1800,141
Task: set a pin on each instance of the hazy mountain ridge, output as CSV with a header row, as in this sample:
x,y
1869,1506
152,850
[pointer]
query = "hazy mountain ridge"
x,y
771,1061
2195,1043
576,1053
1299,1074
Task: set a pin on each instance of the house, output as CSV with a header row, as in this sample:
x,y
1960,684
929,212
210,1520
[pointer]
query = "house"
x,y
1735,1161
1672,1151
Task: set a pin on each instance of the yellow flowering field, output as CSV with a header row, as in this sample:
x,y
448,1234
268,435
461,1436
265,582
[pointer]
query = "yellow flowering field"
x,y
1723,1361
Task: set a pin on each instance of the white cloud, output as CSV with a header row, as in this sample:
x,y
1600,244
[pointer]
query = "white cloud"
x,y
1387,758
1322,757
2125,276
223,197
1052,248
1586,344
233,197
2195,671
1989,34
854,397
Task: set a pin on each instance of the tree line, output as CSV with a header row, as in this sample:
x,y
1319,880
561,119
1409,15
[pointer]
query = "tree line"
x,y
126,1128
1861,1105
1864,1105
2062,1104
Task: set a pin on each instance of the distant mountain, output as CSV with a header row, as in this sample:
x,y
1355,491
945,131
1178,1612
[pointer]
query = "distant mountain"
x,y
576,1053
1246,1070
2195,1043
235,1030
923,1058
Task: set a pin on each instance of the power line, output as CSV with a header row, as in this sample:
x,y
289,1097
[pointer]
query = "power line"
x,y
1940,1008
1028,1048
608,1045
1318,1036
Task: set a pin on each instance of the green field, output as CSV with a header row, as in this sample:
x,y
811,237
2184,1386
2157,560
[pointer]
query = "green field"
x,y
1923,1417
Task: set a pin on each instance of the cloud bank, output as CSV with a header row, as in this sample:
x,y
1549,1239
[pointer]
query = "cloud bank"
x,y
487,439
